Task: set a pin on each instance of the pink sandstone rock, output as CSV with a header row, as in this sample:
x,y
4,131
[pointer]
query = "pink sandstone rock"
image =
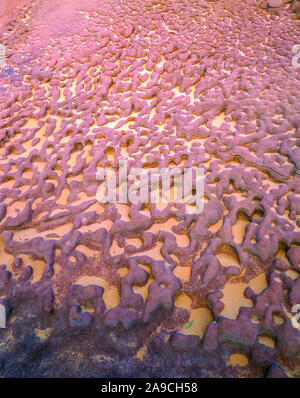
x,y
107,290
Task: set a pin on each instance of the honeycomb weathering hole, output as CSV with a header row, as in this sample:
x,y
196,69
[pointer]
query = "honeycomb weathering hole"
x,y
160,85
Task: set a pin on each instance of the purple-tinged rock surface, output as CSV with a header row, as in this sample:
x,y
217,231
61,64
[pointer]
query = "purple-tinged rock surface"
x,y
108,290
